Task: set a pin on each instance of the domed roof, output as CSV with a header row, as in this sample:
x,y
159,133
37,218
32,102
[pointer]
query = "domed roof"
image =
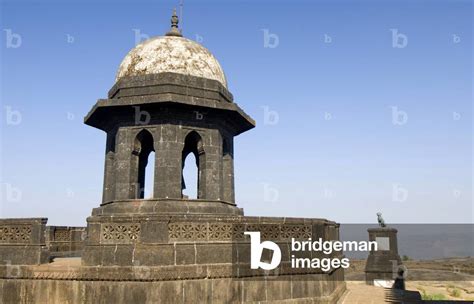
x,y
171,53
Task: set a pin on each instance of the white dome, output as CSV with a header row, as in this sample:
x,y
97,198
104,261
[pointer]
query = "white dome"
x,y
171,54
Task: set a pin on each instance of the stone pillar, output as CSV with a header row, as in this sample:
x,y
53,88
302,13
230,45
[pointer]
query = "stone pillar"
x,y
168,162
382,265
227,191
211,170
123,152
109,169
202,176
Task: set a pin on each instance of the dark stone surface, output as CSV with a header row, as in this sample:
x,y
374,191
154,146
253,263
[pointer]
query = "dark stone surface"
x,y
195,261
383,264
294,289
63,241
167,206
173,115
169,239
22,241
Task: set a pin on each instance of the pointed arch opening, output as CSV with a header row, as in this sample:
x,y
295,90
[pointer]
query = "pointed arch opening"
x,y
143,147
192,170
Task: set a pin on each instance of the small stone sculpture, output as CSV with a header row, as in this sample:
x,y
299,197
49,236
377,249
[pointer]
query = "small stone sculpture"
x,y
380,220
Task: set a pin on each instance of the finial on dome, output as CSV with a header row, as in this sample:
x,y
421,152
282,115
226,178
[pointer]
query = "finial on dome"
x,y
174,31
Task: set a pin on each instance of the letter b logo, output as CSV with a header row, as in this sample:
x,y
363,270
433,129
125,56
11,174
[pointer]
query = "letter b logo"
x,y
256,249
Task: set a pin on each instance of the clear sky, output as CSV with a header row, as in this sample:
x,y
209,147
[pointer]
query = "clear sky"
x,y
361,106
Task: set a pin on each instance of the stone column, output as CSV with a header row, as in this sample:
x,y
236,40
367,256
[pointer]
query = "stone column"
x,y
167,162
227,191
382,265
123,152
109,169
211,170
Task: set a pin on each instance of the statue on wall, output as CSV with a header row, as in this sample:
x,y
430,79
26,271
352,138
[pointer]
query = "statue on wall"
x,y
380,220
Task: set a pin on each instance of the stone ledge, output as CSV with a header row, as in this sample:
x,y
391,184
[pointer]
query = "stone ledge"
x,y
212,218
294,289
146,273
167,206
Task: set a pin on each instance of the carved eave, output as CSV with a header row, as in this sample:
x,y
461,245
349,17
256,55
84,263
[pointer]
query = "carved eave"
x,y
102,114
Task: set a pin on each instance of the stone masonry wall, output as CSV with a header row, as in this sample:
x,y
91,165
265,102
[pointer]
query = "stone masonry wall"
x,y
65,241
286,289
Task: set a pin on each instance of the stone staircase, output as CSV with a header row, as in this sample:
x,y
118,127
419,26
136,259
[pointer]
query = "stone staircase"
x,y
359,293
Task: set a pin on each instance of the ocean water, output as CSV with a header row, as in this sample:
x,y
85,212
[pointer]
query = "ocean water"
x,y
419,241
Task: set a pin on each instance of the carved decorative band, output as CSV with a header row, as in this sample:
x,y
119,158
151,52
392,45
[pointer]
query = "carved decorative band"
x,y
15,234
119,233
227,232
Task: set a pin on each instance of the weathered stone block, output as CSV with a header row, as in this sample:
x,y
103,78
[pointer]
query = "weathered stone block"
x,y
199,291
278,288
185,254
154,232
154,255
227,291
212,253
254,290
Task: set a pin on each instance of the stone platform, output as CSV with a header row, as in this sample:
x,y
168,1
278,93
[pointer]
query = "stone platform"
x,y
178,258
69,282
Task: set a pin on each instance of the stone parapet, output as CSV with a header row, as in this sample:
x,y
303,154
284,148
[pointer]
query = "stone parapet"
x,y
190,239
22,241
63,241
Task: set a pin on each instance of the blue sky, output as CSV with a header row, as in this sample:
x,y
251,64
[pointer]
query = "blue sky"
x,y
347,124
